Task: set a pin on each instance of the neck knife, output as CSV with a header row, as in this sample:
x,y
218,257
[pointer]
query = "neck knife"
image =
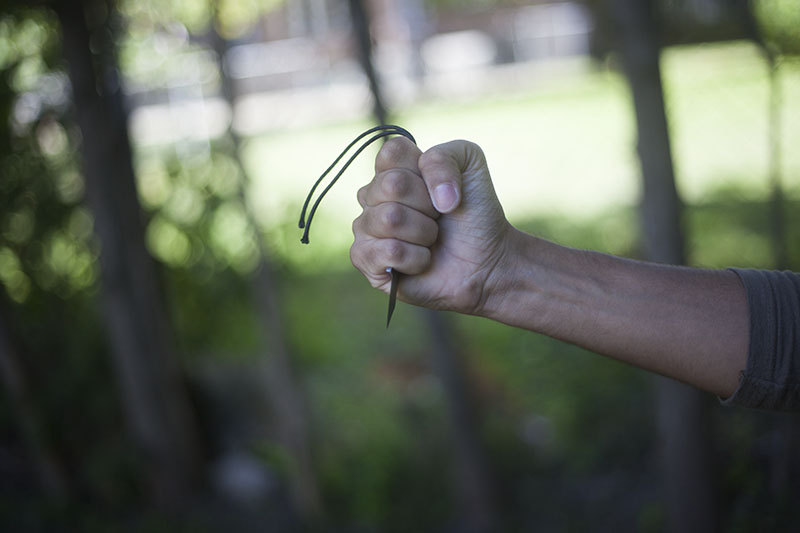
x,y
392,294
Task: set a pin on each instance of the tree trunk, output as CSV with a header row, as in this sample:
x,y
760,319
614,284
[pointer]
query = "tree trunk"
x,y
153,396
472,478
360,19
681,412
281,389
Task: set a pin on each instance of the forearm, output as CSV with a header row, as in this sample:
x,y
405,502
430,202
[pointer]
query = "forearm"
x,y
688,324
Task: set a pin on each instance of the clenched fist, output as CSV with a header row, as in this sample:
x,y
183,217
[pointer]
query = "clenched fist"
x,y
434,217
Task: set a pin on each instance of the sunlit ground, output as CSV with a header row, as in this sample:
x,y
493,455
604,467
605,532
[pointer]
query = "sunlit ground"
x,y
563,147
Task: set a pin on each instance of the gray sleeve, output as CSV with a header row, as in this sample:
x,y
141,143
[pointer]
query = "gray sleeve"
x,y
771,379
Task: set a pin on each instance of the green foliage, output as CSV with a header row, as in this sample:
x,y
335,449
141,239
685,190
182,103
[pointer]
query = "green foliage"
x,y
779,21
198,214
45,236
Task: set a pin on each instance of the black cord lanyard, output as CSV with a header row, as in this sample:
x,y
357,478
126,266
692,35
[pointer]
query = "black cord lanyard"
x,y
305,223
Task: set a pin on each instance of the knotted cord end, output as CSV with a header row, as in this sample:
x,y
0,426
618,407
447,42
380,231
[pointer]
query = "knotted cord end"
x,y
380,132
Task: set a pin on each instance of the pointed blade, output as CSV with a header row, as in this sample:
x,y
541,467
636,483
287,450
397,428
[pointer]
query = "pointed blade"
x,y
392,294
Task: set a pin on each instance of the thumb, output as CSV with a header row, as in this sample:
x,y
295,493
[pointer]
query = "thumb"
x,y
443,168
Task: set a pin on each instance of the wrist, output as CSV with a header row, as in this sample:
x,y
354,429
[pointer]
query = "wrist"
x,y
510,285
536,286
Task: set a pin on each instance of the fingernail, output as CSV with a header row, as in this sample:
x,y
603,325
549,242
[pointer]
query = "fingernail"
x,y
445,197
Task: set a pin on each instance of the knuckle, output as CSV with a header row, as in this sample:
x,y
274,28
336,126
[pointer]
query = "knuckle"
x,y
395,184
362,194
476,151
357,226
357,256
469,145
395,251
434,156
363,256
391,152
392,216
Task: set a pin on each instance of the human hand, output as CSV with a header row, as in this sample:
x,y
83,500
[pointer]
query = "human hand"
x,y
433,216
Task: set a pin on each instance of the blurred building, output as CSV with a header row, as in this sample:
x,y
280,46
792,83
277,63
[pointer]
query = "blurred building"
x,y
297,64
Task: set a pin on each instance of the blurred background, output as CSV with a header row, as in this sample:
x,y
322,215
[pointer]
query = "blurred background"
x,y
173,359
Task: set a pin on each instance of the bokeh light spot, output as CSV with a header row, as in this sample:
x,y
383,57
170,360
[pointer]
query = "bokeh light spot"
x,y
168,243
